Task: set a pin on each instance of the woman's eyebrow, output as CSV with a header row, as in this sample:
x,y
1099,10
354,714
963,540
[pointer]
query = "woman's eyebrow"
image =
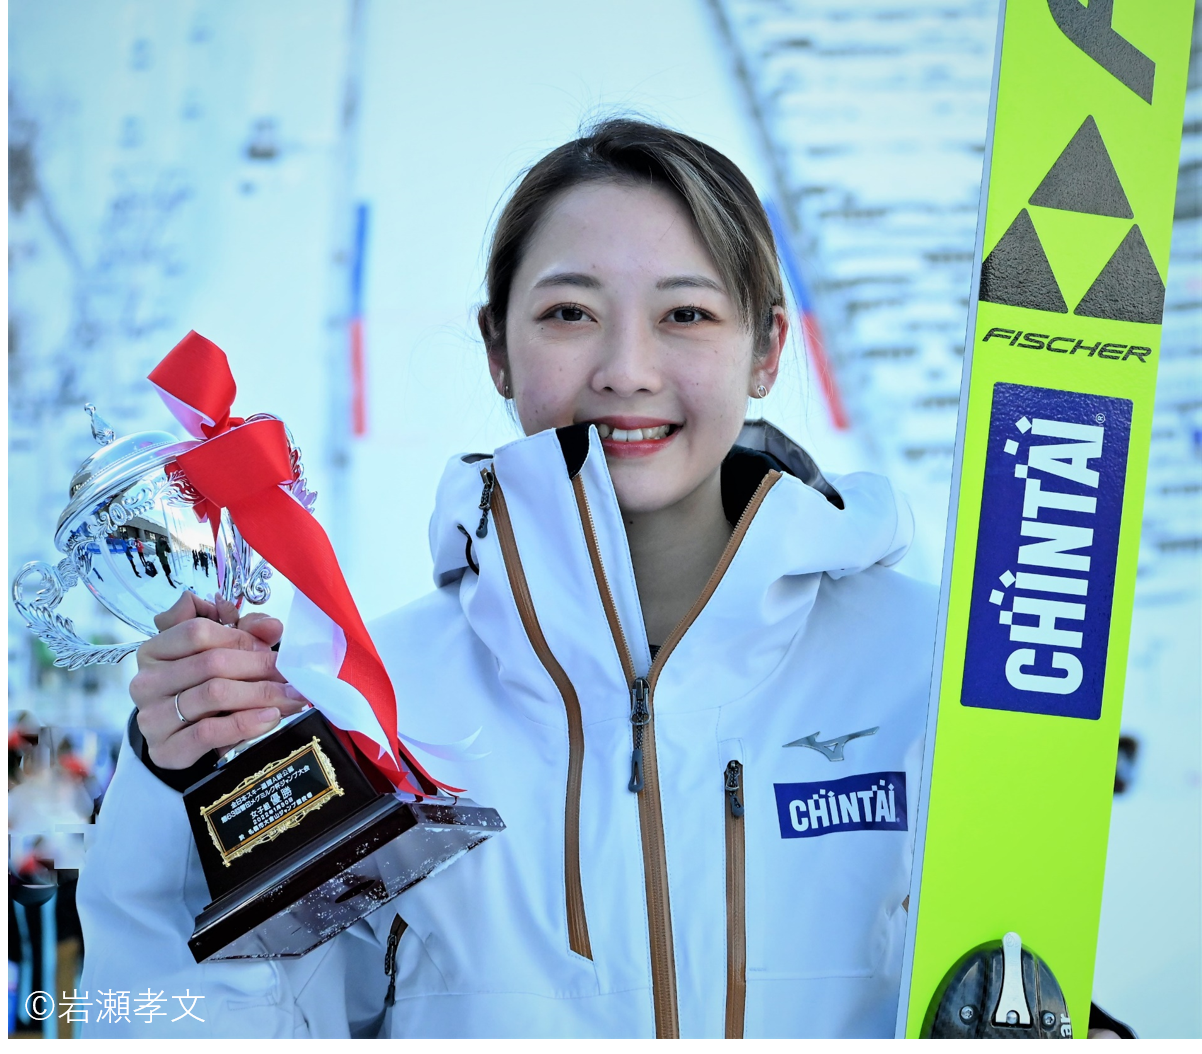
x,y
576,278
689,281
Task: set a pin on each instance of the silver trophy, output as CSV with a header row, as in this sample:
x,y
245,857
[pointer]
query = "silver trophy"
x,y
131,534
297,838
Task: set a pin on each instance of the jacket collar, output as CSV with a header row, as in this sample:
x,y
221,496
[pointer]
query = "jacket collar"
x,y
803,527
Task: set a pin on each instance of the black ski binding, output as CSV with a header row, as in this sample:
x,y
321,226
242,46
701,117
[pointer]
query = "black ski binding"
x,y
999,990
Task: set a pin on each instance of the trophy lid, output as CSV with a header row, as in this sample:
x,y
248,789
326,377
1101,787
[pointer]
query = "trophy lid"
x,y
128,452
115,464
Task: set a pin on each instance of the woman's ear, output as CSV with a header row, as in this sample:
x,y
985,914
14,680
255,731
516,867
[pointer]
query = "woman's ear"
x,y
499,373
765,367
494,346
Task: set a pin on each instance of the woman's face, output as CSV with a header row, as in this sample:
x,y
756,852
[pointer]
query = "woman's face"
x,y
618,317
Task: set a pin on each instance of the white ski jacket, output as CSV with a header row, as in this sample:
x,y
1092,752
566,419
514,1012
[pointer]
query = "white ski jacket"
x,y
754,886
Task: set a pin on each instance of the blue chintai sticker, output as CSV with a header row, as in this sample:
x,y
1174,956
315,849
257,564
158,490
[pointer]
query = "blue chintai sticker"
x,y
871,801
1043,584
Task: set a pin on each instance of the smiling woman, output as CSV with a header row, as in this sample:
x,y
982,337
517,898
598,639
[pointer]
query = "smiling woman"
x,y
633,284
643,603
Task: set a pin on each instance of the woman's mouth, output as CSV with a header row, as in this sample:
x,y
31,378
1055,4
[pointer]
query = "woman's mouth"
x,y
633,442
633,435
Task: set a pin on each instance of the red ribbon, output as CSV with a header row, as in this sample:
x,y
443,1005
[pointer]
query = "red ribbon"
x,y
243,468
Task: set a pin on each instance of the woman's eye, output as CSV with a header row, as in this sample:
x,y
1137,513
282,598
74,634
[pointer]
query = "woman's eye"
x,y
689,316
567,313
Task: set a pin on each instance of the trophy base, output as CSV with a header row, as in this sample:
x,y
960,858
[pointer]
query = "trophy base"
x,y
316,892
298,842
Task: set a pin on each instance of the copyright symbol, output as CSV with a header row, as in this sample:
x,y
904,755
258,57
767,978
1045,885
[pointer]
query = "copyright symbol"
x,y
39,1005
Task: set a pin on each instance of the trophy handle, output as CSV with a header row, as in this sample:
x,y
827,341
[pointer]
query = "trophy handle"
x,y
253,586
55,630
246,582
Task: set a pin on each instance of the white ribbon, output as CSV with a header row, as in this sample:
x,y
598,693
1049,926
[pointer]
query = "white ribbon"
x,y
310,657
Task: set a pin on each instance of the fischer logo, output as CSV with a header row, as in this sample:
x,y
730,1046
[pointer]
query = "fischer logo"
x,y
1044,579
1016,338
871,801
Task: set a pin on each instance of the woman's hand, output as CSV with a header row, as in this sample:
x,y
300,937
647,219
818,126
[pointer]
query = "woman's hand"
x,y
219,670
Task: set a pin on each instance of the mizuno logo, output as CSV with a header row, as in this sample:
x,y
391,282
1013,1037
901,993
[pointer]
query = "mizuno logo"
x,y
831,749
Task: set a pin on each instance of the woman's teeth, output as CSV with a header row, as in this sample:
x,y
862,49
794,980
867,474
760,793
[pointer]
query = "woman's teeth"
x,y
633,435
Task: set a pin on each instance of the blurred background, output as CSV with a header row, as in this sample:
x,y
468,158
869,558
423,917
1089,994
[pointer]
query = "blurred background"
x,y
310,184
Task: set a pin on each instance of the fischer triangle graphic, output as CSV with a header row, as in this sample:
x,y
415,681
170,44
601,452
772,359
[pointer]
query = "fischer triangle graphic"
x,y
1129,289
1090,29
1083,178
1013,807
1017,272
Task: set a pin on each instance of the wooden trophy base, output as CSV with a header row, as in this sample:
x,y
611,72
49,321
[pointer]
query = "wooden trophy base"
x,y
297,844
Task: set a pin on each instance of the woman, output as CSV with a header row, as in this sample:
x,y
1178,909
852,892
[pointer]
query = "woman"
x,y
702,693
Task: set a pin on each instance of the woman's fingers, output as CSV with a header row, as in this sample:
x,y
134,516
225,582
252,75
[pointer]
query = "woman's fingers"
x,y
167,678
228,702
189,605
261,625
222,697
217,697
195,634
218,670
192,742
227,611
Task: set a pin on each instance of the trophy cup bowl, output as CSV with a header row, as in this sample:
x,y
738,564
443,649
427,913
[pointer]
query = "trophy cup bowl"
x,y
131,536
297,839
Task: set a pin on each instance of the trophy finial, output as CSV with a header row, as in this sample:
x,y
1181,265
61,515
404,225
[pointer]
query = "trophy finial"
x,y
101,431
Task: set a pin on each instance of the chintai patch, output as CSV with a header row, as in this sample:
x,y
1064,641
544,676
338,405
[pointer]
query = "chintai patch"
x,y
871,801
1043,586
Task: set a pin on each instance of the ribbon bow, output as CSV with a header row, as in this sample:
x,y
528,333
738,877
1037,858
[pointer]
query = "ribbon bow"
x,y
246,468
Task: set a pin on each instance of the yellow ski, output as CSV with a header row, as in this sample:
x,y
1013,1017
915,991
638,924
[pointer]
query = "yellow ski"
x,y
1051,460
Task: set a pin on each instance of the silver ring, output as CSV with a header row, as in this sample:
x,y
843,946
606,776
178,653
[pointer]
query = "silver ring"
x,y
760,391
183,720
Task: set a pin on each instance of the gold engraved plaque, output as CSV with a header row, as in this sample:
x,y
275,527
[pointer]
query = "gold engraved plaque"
x,y
273,800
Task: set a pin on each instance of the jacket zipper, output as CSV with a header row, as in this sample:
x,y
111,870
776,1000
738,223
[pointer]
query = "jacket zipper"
x,y
736,902
490,481
640,717
578,938
643,760
395,933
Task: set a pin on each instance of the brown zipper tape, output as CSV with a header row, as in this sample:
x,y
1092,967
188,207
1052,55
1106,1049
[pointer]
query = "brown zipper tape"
x,y
607,597
736,917
578,938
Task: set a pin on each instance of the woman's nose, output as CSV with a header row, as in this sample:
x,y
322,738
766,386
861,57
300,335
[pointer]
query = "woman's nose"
x,y
628,361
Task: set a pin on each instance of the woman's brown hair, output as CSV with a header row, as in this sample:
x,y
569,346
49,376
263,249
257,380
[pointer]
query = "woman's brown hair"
x,y
728,214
